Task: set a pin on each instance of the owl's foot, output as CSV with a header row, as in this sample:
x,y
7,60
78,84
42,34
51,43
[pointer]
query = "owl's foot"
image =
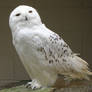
x,y
33,85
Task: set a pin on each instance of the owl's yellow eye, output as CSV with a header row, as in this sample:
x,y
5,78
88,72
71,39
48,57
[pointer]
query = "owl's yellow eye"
x,y
30,11
18,14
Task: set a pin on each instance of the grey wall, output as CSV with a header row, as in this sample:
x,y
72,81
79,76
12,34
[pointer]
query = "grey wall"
x,y
70,18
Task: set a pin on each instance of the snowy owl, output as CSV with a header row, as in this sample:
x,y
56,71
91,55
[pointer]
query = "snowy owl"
x,y
43,53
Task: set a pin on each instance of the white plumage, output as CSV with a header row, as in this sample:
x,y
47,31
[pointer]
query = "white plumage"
x,y
43,53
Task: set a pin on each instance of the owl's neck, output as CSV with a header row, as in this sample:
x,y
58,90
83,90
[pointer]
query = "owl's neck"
x,y
25,25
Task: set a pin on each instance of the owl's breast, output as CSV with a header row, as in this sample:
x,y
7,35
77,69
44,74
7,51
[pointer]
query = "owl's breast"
x,y
28,43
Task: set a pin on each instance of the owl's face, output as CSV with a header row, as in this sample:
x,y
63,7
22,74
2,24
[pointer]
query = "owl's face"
x,y
24,15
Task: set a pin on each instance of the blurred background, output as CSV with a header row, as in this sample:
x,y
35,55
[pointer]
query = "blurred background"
x,y
71,19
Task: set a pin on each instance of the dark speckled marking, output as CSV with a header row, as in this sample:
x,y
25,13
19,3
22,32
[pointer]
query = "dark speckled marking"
x,y
58,49
64,60
65,45
61,43
40,49
61,55
65,51
60,38
50,61
50,39
50,52
55,42
45,55
52,42
57,60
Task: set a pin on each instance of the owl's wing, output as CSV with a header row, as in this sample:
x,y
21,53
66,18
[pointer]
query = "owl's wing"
x,y
59,55
58,52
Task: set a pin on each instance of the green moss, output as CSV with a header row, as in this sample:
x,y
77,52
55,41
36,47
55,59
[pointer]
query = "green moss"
x,y
23,89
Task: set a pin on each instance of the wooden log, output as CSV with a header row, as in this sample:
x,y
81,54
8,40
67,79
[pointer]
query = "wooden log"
x,y
60,86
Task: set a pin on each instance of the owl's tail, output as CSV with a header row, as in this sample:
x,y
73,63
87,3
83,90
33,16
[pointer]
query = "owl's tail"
x,y
79,69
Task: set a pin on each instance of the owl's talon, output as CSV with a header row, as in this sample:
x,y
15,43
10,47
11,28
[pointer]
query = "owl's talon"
x,y
28,85
33,85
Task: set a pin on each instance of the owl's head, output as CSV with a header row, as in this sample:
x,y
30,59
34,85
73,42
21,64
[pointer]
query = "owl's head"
x,y
24,16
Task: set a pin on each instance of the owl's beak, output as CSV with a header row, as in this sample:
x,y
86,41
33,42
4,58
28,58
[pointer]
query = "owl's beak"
x,y
26,18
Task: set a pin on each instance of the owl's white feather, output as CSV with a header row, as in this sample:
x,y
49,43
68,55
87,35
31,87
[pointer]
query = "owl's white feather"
x,y
43,53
